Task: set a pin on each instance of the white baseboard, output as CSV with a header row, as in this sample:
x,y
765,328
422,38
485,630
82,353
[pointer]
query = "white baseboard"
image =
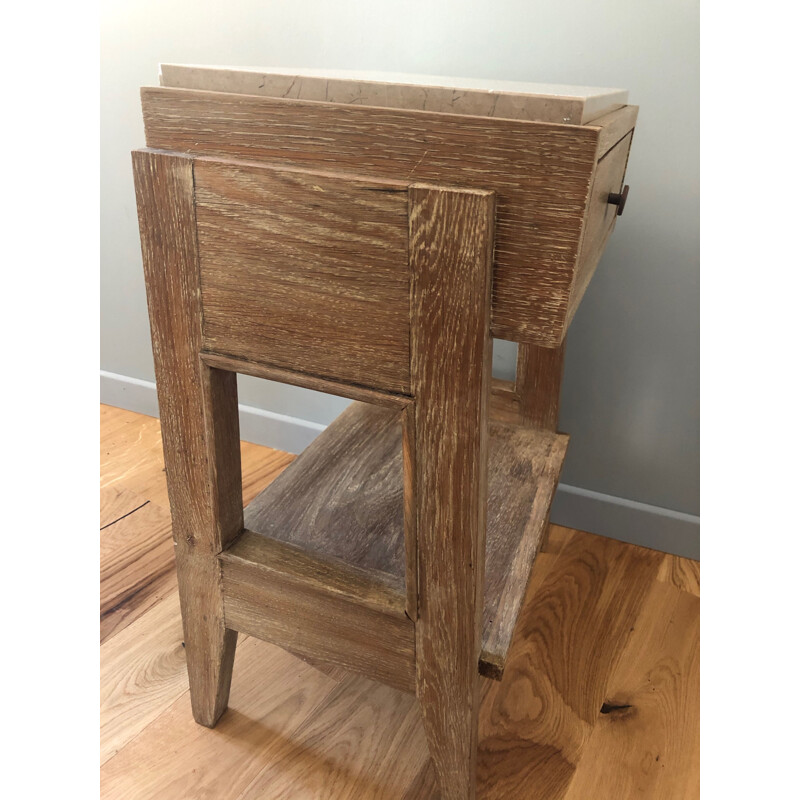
x,y
130,393
627,520
255,425
615,517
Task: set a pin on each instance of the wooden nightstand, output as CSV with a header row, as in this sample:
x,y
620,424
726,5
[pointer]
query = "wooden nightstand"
x,y
368,236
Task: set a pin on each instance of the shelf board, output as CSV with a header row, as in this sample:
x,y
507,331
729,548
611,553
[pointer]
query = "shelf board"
x,y
341,501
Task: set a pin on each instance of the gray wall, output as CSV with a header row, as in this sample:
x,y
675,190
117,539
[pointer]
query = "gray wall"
x,y
631,390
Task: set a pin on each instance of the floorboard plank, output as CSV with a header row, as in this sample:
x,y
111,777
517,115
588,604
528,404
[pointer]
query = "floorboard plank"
x,y
646,742
682,573
173,758
260,466
131,456
364,742
576,619
137,562
116,503
143,670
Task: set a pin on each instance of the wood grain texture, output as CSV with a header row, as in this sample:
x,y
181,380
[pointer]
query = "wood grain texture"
x,y
137,560
132,455
540,371
260,466
117,503
374,589
578,617
342,501
450,252
613,127
654,691
410,477
540,171
172,759
350,620
260,370
601,218
289,726
521,491
305,270
365,743
137,551
200,423
343,496
143,670
504,403
682,573
132,459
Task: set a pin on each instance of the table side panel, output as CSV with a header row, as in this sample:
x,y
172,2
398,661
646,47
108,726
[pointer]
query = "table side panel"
x,y
305,268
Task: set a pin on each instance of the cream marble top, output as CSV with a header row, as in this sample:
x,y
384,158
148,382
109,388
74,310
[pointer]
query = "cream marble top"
x,y
542,102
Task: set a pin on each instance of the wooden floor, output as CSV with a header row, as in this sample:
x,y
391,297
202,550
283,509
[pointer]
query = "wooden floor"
x,y
600,699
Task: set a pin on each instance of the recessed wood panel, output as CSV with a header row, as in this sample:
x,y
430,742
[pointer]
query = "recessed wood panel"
x,y
306,271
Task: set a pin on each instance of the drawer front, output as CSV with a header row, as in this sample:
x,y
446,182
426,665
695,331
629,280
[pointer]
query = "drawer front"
x,y
600,218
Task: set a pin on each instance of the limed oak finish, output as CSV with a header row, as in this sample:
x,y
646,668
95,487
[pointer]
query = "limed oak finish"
x,y
356,283
372,253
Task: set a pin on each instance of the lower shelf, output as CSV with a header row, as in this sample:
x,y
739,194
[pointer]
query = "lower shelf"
x,y
341,502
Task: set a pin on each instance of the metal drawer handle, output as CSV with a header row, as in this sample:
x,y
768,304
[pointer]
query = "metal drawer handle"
x,y
619,200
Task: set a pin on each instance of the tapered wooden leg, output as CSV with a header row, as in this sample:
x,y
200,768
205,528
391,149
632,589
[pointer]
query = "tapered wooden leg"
x,y
451,258
199,424
210,648
538,385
